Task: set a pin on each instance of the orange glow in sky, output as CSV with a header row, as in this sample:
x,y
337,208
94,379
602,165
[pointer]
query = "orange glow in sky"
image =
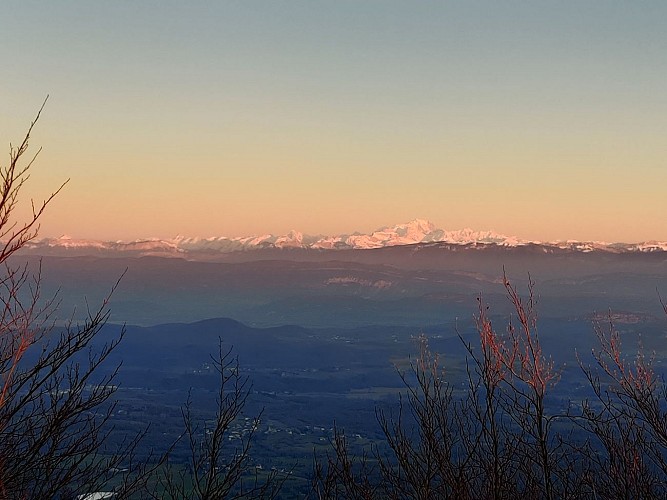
x,y
543,121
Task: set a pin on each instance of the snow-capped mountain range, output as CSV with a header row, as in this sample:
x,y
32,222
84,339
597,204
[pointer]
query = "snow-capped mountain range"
x,y
413,232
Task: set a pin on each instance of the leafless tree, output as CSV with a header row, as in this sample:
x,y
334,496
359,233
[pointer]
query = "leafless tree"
x,y
215,469
54,407
627,420
499,440
56,398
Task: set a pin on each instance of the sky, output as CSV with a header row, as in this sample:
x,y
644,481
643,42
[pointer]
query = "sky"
x,y
542,120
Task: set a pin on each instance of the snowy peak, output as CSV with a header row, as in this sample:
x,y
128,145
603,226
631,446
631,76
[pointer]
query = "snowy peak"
x,y
410,233
416,231
293,239
423,231
417,228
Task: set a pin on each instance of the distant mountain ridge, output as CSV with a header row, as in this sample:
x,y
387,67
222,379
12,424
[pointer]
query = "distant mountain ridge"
x,y
418,231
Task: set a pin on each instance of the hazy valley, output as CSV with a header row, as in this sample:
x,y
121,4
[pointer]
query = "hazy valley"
x,y
322,333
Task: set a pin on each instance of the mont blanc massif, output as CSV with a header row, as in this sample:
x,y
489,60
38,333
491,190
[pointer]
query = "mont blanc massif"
x,y
415,232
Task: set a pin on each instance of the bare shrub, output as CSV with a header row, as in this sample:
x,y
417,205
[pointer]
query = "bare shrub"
x,y
627,420
499,439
